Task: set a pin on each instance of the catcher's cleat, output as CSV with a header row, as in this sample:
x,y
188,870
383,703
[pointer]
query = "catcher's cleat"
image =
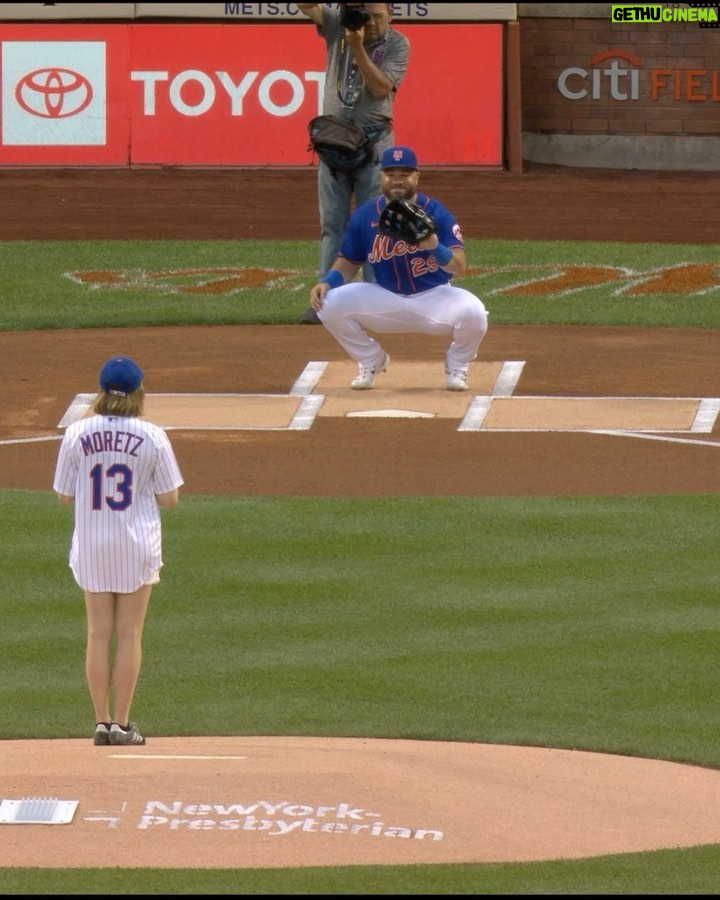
x,y
125,736
456,381
102,734
366,376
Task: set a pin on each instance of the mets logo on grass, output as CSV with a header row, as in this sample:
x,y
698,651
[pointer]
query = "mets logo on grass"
x,y
705,14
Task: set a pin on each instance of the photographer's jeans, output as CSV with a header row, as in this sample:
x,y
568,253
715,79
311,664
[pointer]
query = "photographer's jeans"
x,y
335,193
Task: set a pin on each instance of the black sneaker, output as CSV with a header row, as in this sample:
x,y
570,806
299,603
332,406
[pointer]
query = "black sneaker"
x,y
309,317
102,734
125,736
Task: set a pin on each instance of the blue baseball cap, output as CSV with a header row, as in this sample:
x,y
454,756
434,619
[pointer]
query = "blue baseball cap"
x,y
120,375
398,158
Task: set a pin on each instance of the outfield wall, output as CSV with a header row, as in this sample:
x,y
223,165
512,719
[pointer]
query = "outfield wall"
x,y
559,84
620,95
198,94
233,84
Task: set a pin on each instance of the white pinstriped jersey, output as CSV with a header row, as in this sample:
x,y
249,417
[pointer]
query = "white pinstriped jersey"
x,y
114,466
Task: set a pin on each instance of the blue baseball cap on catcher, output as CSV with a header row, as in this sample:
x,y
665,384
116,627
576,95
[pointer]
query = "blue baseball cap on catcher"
x,y
120,375
398,158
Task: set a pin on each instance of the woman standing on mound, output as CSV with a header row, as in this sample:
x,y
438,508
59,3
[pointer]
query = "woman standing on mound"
x,y
118,469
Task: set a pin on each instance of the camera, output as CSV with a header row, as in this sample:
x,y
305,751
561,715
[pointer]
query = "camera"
x,y
354,17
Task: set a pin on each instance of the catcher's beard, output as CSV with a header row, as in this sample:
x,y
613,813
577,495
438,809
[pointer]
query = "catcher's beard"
x,y
401,193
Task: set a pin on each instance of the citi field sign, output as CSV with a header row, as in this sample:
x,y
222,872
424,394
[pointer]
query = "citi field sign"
x,y
619,75
187,94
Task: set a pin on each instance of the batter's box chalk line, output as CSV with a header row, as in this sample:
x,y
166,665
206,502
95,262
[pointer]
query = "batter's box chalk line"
x,y
497,409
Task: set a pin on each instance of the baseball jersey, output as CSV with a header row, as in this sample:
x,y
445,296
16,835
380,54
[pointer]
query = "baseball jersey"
x,y
399,267
114,466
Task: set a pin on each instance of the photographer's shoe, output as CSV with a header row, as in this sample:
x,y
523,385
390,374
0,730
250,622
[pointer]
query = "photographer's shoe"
x,y
309,317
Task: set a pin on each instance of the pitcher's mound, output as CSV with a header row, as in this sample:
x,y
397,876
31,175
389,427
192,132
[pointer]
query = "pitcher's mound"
x,y
234,802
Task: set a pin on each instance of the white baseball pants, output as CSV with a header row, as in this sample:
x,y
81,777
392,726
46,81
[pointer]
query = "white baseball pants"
x,y
350,311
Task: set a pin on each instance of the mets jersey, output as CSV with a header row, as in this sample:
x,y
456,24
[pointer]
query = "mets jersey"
x,y
114,466
399,267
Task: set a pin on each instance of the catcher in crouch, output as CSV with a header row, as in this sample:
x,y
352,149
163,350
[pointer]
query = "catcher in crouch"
x,y
415,247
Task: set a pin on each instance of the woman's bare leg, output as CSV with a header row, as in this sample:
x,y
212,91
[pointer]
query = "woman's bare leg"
x,y
130,612
100,609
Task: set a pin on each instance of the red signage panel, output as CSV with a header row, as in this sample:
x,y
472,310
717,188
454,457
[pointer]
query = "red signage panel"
x,y
64,95
218,95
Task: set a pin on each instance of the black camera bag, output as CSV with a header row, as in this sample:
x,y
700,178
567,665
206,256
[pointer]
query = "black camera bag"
x,y
341,144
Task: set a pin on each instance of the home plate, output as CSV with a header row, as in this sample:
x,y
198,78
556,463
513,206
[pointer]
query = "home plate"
x,y
390,413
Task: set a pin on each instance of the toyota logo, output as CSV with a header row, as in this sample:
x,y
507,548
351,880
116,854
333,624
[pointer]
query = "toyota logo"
x,y
53,93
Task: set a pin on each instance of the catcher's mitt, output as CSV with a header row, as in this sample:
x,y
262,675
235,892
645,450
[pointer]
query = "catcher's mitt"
x,y
405,221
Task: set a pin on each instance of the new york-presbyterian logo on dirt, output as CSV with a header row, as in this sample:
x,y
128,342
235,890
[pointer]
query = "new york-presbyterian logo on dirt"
x,y
276,818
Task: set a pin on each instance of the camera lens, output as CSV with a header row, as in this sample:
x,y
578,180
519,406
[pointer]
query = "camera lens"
x,y
354,17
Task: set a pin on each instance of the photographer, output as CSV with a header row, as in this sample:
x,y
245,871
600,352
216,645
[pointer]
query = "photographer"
x,y
366,61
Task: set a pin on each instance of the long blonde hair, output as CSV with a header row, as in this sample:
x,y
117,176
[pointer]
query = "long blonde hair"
x,y
107,404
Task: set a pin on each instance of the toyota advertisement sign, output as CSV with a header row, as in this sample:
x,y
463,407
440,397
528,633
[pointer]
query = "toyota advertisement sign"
x,y
228,95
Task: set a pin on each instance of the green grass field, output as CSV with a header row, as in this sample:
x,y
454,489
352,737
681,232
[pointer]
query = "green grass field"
x,y
160,283
580,623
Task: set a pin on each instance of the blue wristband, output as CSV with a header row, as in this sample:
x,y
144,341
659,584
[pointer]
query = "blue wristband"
x,y
442,254
334,278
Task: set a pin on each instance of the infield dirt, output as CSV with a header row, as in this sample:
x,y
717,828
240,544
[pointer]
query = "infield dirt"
x,y
600,804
